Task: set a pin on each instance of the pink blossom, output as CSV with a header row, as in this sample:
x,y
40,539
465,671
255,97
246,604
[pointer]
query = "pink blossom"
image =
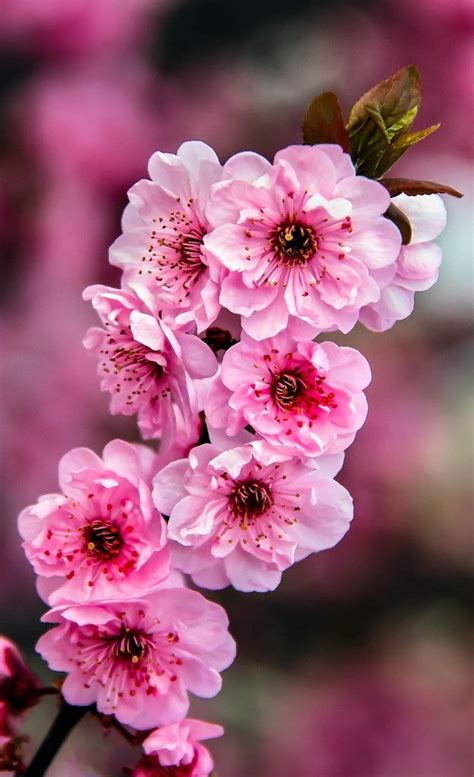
x,y
148,369
304,240
417,265
18,688
77,27
137,659
303,397
102,537
163,231
243,515
92,127
176,751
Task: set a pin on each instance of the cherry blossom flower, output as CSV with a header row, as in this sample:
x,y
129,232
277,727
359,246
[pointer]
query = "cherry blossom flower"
x,y
163,231
417,265
102,537
243,515
304,240
176,751
148,369
303,397
137,659
18,689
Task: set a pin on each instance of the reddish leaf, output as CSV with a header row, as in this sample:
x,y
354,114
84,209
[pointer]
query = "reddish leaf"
x,y
324,122
392,98
411,187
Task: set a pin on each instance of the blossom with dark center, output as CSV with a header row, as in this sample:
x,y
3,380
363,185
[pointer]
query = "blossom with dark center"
x,y
101,537
148,369
304,240
305,398
243,515
137,659
164,226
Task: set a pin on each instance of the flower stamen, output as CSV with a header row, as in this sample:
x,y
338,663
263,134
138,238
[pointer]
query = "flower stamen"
x,y
294,243
102,538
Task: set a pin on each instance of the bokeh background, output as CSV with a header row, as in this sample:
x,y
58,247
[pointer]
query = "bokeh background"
x,y
359,664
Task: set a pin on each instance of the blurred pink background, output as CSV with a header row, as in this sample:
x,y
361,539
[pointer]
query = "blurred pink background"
x,y
358,664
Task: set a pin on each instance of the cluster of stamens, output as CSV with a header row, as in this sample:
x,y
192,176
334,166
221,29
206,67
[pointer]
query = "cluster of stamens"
x,y
180,264
129,361
287,388
131,645
294,243
295,387
102,538
250,499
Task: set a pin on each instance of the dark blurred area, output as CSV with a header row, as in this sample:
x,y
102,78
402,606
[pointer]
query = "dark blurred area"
x,y
359,664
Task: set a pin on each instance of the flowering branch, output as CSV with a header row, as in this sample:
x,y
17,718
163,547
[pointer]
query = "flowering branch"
x,y
230,275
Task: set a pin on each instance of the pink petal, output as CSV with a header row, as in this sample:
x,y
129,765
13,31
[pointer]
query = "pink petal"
x,y
168,486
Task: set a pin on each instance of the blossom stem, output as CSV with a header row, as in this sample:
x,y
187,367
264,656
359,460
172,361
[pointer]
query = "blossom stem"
x,y
67,717
49,691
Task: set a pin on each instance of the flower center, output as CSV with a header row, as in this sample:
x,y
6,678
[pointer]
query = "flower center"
x,y
131,645
191,252
251,498
295,243
102,539
190,261
287,388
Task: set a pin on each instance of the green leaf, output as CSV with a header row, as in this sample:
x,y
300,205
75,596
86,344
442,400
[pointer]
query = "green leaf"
x,y
401,221
411,187
324,122
381,116
401,144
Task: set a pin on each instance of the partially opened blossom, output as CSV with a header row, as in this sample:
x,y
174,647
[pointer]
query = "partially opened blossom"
x,y
138,658
102,536
304,240
243,515
163,231
417,266
18,689
176,751
303,397
148,369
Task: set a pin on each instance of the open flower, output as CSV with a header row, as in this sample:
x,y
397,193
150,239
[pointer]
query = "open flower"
x,y
176,751
243,515
18,689
137,659
417,266
148,369
303,397
163,230
304,240
102,537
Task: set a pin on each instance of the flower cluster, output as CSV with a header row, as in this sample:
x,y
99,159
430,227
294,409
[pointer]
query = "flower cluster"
x,y
229,273
129,634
